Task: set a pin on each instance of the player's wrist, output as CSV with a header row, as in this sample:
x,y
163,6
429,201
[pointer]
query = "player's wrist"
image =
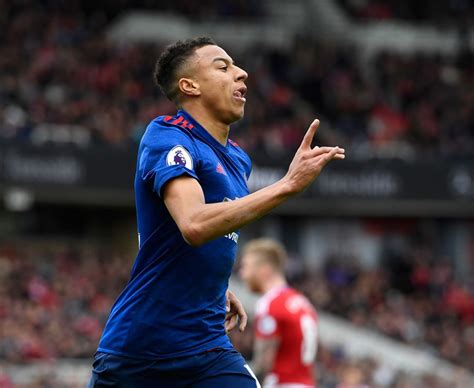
x,y
287,187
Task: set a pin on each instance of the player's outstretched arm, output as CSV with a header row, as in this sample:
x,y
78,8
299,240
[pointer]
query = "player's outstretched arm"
x,y
200,222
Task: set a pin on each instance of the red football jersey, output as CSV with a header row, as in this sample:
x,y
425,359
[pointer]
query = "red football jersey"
x,y
287,315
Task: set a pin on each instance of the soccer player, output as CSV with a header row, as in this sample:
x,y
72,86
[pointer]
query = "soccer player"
x,y
285,321
168,326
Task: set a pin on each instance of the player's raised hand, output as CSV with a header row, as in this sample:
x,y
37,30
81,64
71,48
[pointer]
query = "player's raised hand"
x,y
234,312
308,162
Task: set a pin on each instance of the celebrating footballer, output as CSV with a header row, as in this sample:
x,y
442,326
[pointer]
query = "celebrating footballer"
x,y
168,328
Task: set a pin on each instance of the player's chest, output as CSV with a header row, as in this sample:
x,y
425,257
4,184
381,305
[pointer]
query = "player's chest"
x,y
222,178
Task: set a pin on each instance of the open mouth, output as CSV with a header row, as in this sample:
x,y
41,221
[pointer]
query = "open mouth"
x,y
239,94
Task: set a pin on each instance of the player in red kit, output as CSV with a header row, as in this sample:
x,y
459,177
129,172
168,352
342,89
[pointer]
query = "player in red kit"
x,y
285,321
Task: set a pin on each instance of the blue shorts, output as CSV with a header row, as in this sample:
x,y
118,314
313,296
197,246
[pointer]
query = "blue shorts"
x,y
213,369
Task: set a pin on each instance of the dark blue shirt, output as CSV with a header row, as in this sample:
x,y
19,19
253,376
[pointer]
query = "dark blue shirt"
x,y
174,302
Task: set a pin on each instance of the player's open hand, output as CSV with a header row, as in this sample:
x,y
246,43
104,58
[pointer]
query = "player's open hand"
x,y
308,162
234,313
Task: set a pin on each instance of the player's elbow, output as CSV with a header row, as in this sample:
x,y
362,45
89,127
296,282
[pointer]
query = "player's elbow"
x,y
193,235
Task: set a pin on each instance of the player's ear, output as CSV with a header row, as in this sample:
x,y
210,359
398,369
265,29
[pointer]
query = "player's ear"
x,y
189,87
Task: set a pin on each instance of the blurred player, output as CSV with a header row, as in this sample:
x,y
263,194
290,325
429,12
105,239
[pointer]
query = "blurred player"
x,y
285,322
168,327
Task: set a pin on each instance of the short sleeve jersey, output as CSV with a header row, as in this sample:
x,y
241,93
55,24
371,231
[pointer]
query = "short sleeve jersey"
x,y
286,315
174,302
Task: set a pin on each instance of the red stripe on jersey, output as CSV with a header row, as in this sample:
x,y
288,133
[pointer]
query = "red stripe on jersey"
x,y
186,125
178,120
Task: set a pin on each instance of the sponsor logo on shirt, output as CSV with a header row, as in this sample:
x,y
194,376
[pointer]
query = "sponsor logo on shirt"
x,y
179,156
234,236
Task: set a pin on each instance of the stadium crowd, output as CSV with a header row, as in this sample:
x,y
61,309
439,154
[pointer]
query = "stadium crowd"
x,y
55,298
440,13
54,302
415,302
61,80
337,369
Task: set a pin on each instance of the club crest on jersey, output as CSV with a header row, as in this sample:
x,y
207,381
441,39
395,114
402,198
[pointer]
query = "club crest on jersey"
x,y
220,169
179,156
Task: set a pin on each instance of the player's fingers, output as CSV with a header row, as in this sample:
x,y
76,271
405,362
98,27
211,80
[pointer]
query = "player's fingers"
x,y
226,324
230,323
227,304
243,321
321,150
326,158
308,137
238,308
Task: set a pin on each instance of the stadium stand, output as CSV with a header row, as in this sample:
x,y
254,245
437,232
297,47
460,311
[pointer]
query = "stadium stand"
x,y
68,290
56,297
66,83
439,13
421,305
55,300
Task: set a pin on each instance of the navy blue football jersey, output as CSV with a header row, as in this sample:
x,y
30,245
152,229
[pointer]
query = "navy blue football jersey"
x,y
174,302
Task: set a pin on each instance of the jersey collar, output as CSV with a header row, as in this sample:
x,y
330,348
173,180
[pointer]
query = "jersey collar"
x,y
203,133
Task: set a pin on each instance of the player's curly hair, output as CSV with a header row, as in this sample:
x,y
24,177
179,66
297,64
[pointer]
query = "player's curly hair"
x,y
171,59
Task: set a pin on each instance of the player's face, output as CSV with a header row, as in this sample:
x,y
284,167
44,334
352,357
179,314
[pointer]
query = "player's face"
x,y
250,272
221,83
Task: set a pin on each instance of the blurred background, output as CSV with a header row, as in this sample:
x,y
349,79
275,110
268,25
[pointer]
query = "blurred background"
x,y
382,243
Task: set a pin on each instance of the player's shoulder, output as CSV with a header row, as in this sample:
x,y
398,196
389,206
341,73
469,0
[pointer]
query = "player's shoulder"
x,y
169,137
284,302
270,302
295,302
166,129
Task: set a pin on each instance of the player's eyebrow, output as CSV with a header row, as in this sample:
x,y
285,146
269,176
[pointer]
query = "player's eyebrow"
x,y
226,60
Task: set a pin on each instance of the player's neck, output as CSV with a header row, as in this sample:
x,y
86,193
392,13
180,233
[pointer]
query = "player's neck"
x,y
217,129
274,282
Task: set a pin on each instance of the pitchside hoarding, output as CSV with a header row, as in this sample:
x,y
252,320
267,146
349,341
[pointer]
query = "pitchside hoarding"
x,y
104,175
